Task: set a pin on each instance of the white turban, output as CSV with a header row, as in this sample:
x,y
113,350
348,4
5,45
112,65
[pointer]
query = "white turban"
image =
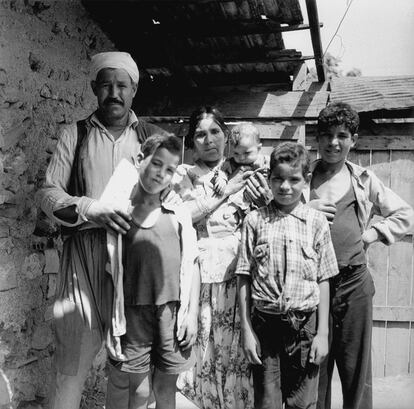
x,y
115,59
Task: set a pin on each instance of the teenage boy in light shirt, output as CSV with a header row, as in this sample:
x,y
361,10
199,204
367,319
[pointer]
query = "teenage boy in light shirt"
x,y
349,196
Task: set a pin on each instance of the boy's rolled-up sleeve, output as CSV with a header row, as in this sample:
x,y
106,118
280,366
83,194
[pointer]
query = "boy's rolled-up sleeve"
x,y
398,216
53,195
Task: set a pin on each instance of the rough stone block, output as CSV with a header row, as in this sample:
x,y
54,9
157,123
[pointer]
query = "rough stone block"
x,y
22,229
26,389
11,95
6,246
5,389
32,266
30,405
60,60
5,197
49,313
8,275
51,261
42,337
45,92
25,362
35,62
4,230
3,77
57,28
12,136
11,211
19,163
51,285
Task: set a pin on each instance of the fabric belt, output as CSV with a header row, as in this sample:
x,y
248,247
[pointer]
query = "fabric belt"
x,y
349,269
294,317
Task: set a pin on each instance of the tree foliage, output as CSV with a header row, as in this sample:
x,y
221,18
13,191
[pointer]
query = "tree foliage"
x,y
333,69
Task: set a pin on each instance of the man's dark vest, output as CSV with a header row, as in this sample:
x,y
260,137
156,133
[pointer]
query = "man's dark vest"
x,y
45,227
76,185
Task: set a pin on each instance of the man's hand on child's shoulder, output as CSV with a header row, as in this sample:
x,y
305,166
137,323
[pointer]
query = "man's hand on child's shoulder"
x,y
324,206
168,195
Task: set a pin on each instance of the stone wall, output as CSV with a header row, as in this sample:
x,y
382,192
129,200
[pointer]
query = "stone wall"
x,y
45,48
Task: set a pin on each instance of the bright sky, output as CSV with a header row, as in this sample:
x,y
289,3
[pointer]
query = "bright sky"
x,y
376,36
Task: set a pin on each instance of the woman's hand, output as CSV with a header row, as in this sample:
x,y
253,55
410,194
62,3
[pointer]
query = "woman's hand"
x,y
251,346
170,196
188,332
236,182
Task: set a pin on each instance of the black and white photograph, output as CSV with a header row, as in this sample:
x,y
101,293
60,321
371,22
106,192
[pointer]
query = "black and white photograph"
x,y
206,204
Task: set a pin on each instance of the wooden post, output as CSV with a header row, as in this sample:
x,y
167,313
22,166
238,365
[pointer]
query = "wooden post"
x,y
316,38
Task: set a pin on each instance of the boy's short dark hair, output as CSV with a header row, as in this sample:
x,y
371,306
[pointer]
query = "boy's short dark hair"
x,y
157,141
338,113
291,153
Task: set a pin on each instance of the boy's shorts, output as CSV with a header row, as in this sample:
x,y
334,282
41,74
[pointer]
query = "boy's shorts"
x,y
151,341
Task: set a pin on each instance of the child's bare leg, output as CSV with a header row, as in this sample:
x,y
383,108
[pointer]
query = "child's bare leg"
x,y
139,390
164,387
127,390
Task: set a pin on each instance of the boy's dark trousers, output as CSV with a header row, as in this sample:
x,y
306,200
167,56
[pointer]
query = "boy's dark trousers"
x,y
286,374
350,332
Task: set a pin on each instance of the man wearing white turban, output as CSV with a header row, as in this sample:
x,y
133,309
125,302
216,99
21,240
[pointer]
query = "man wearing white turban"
x,y
83,162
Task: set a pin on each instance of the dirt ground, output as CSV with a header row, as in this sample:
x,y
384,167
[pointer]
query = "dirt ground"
x,y
389,393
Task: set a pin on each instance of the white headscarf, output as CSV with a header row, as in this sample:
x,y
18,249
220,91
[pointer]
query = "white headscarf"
x,y
114,59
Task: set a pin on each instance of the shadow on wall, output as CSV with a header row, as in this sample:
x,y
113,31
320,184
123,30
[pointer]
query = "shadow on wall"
x,y
45,48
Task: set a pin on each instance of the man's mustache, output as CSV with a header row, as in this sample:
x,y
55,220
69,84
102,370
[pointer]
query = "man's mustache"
x,y
113,101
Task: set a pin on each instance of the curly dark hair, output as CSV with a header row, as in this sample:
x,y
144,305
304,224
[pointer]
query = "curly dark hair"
x,y
199,114
338,113
292,153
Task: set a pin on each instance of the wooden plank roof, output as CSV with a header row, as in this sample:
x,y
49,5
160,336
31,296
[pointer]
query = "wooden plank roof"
x,y
245,105
181,44
368,94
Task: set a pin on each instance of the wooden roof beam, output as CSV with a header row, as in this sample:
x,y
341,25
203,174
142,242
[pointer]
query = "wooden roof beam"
x,y
225,56
174,63
225,28
384,113
316,38
240,59
177,1
259,105
214,79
